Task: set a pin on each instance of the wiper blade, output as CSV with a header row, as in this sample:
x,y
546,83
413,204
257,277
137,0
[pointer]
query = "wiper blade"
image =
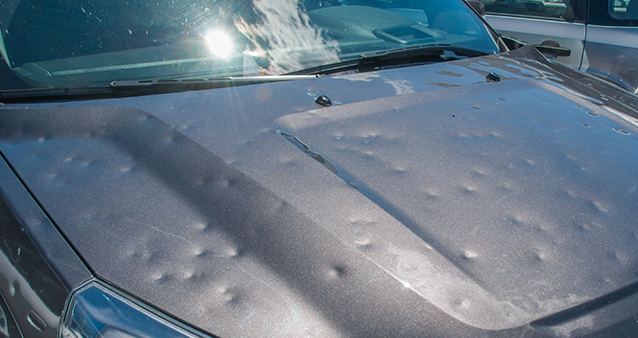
x,y
138,87
394,57
45,94
210,83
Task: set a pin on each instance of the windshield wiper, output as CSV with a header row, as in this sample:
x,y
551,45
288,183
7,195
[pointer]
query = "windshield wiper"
x,y
138,87
394,58
201,83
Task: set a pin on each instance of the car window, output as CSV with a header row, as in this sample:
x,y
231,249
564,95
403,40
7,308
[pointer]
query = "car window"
x,y
623,10
76,43
614,13
553,9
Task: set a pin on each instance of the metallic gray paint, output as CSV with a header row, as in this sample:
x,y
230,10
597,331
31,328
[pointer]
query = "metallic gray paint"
x,y
41,232
37,267
611,52
459,207
8,326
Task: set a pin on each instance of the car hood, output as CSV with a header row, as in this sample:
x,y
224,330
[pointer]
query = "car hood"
x,y
426,200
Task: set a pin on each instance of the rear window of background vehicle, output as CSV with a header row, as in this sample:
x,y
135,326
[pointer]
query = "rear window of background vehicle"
x,y
613,13
553,9
619,9
601,12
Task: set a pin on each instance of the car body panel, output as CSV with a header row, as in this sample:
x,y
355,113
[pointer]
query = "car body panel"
x,y
33,293
431,195
611,52
35,276
601,45
536,31
8,326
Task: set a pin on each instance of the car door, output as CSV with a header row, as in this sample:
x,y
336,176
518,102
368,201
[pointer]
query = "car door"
x,y
611,48
539,22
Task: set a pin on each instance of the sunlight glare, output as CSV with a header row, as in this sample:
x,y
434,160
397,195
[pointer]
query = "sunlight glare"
x,y
219,43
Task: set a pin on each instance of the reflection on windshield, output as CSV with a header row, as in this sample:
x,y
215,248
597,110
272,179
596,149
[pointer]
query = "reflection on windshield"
x,y
219,43
285,29
75,43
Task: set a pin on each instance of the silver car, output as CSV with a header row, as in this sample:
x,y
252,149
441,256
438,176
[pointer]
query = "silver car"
x,y
601,34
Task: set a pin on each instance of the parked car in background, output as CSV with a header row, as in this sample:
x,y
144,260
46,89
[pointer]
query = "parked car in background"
x,y
316,168
601,34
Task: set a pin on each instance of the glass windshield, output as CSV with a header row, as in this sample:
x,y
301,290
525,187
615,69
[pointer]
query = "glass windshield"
x,y
76,43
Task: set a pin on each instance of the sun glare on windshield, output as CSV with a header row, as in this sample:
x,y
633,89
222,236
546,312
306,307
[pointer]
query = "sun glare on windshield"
x,y
219,43
98,42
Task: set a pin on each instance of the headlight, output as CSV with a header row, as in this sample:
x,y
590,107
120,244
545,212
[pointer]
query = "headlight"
x,y
98,311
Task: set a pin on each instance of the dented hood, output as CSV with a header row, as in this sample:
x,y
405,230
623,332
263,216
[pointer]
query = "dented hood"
x,y
426,201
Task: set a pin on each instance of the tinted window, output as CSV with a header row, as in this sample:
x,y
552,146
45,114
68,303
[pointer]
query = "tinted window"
x,y
554,9
614,12
623,9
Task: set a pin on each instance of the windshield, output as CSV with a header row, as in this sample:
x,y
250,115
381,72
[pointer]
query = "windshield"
x,y
77,43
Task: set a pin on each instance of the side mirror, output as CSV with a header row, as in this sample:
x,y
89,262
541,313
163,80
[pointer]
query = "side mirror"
x,y
478,6
512,43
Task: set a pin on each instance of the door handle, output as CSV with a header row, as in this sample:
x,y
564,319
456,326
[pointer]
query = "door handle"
x,y
553,49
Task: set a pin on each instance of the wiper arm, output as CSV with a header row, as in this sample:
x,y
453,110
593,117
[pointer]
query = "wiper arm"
x,y
394,57
138,87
